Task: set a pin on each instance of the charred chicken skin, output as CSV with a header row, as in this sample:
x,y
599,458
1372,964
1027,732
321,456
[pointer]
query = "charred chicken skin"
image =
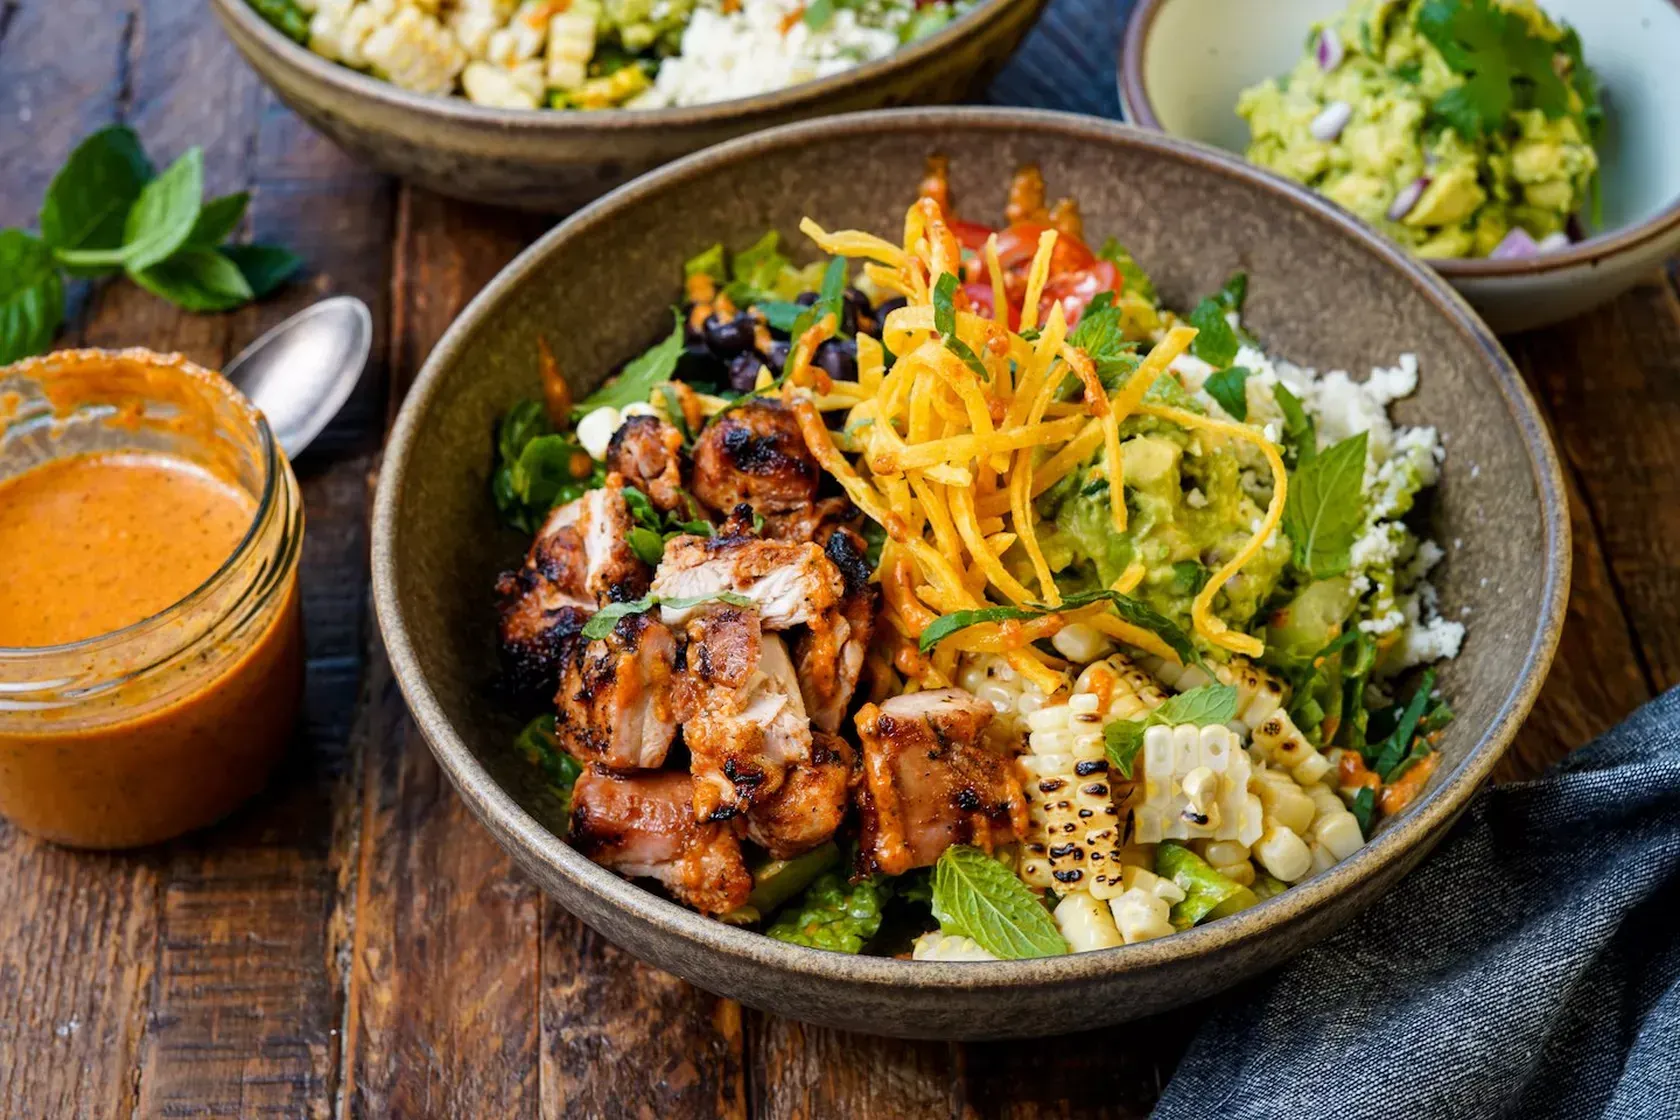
x,y
754,454
580,560
646,452
614,700
930,782
643,826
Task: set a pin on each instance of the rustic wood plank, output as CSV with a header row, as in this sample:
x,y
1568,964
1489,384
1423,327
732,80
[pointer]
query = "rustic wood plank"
x,y
801,1071
442,1009
623,1039
1615,375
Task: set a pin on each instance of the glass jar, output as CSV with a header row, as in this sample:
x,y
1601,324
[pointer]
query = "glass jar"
x,y
165,725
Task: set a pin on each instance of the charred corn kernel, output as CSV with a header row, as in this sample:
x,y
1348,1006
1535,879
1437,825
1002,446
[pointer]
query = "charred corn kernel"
x,y
993,680
1282,800
1195,784
485,84
1081,644
523,37
571,43
1074,834
1140,916
941,946
1312,769
1227,857
338,29
1323,859
1283,854
1179,678
474,21
1340,834
1123,690
413,50
1145,880
1086,923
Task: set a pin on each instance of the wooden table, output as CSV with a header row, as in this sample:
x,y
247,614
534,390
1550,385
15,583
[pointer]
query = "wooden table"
x,y
354,944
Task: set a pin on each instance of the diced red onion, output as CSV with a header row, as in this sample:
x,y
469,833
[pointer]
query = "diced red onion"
x,y
1517,246
1407,198
1329,124
1330,51
1552,242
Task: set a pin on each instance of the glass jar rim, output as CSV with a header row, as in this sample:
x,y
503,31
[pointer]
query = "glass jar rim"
x,y
176,365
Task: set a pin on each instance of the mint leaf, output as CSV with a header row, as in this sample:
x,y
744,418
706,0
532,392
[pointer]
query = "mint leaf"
x,y
1131,610
1208,706
647,544
945,322
1325,508
976,896
635,382
164,215
197,280
601,623
1299,432
1100,333
1229,388
1136,280
1215,343
265,267
218,219
90,197
31,296
1233,293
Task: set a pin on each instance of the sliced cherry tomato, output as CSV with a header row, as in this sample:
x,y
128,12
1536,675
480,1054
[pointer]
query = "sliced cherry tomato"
x,y
980,302
971,235
1018,243
1075,290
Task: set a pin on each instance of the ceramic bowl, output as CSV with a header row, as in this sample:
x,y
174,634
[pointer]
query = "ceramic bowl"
x,y
556,161
1325,290
1183,62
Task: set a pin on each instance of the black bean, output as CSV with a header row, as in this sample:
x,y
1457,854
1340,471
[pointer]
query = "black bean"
x,y
858,314
888,306
743,371
837,357
778,353
728,337
805,299
698,363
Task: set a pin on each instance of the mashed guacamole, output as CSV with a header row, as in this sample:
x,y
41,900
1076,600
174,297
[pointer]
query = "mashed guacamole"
x,y
1461,128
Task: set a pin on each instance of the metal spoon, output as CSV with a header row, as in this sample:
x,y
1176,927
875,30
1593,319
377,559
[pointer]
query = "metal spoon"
x,y
301,372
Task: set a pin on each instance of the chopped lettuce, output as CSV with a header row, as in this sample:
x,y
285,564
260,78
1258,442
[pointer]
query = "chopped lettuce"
x,y
834,914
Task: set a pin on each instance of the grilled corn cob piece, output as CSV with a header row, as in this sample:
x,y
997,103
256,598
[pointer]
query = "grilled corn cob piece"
x,y
523,37
1144,911
474,21
1074,838
571,44
1123,690
413,50
1195,785
1260,698
942,946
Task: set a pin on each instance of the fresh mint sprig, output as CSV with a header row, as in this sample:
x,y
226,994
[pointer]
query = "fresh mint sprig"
x,y
108,210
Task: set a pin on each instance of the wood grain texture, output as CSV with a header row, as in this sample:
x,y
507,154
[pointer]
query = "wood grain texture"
x,y
353,944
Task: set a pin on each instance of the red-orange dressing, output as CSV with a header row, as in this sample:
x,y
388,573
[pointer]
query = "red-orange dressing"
x,y
93,543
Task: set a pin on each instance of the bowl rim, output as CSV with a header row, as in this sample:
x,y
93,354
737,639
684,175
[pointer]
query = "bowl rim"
x,y
533,842
1594,251
460,111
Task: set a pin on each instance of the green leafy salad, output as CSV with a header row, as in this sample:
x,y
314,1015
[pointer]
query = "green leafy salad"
x,y
972,603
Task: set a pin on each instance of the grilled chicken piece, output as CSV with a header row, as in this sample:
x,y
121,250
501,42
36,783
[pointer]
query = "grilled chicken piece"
x,y
755,454
579,560
815,522
614,703
829,654
646,452
643,827
742,717
928,782
790,584
811,803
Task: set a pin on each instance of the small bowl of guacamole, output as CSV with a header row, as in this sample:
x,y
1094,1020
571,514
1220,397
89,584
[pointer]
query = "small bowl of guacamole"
x,y
1460,128
1523,147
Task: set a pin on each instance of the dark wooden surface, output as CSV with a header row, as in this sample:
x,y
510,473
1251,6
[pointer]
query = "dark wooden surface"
x,y
354,944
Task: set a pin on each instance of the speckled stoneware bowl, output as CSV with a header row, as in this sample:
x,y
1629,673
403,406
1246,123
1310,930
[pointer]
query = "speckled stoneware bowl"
x,y
1183,62
1324,290
556,161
